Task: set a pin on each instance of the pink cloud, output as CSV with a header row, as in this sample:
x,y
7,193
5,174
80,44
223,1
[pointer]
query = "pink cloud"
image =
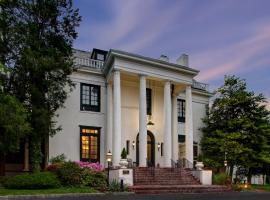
x,y
235,57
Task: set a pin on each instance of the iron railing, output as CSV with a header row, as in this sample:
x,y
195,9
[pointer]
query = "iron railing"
x,y
200,86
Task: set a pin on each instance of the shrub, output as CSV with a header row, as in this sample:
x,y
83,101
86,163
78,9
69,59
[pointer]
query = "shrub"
x,y
115,186
93,166
221,179
70,174
94,179
124,153
40,180
58,159
53,167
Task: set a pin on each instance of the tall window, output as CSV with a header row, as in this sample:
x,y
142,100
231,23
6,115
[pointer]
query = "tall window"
x,y
148,101
181,110
90,97
90,147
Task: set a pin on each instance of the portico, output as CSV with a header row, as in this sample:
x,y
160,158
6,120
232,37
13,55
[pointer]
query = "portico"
x,y
167,83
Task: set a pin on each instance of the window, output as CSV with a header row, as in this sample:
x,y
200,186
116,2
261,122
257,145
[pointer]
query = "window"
x,y
161,149
195,151
90,97
148,101
181,110
100,57
127,146
90,148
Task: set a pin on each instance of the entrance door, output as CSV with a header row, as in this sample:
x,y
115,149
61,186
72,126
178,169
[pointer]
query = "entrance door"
x,y
150,149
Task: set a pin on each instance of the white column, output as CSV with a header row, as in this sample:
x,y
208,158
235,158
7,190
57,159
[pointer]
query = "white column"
x,y
167,125
174,129
116,118
189,125
109,118
142,123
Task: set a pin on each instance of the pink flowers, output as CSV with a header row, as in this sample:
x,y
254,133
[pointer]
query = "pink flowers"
x,y
94,166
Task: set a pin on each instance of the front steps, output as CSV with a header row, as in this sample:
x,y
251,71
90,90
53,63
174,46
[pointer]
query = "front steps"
x,y
169,180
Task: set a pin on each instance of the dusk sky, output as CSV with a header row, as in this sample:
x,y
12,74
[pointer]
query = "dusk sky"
x,y
220,37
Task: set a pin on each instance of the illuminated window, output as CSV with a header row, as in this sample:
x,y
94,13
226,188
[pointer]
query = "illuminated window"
x,y
90,145
181,110
90,97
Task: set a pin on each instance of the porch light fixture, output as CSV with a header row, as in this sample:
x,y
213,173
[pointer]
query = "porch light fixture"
x,y
109,160
109,156
225,160
133,144
150,123
158,146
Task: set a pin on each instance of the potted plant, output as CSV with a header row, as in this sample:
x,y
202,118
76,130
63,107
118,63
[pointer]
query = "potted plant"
x,y
199,163
123,162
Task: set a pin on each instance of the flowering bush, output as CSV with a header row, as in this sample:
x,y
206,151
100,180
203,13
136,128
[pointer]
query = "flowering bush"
x,y
94,166
53,167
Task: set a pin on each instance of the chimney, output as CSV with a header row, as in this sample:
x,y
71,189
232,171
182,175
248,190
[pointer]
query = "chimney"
x,y
183,60
164,58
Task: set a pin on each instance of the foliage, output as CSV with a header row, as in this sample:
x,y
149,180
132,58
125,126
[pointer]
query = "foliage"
x,y
93,179
221,179
200,158
93,166
54,167
58,159
13,123
124,154
70,174
238,124
41,180
115,186
61,190
36,46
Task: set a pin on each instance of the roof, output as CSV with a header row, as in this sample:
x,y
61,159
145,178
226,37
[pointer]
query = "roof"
x,y
159,63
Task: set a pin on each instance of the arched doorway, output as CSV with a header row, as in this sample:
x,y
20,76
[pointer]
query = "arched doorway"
x,y
150,149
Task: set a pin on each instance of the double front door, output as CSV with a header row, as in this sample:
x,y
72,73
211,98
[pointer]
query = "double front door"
x,y
150,149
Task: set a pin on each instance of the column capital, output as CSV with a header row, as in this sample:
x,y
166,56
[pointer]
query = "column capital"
x,y
142,75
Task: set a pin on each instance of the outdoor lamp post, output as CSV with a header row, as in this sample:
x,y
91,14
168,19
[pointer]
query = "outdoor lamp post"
x,y
109,161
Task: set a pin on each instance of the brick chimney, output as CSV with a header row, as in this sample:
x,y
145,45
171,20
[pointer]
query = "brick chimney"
x,y
183,60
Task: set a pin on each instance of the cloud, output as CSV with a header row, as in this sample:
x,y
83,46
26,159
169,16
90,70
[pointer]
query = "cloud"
x,y
235,57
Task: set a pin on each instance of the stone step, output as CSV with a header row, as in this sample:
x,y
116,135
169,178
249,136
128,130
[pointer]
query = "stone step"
x,y
163,176
159,189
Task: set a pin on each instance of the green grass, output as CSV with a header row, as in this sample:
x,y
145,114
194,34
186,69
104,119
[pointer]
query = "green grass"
x,y
62,190
261,187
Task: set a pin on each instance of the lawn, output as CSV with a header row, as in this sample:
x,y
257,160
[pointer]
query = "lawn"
x,y
62,190
261,187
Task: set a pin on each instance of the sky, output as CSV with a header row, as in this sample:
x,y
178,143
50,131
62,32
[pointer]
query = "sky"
x,y
221,37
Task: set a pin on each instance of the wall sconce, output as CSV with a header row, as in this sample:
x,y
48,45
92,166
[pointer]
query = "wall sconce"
x,y
133,144
158,146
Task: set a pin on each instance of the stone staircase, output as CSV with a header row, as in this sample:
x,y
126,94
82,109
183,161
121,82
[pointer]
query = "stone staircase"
x,y
169,180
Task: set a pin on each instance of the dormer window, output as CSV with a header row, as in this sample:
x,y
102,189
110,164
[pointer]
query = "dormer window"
x,y
100,57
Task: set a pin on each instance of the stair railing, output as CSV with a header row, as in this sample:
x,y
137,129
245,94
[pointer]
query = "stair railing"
x,y
185,163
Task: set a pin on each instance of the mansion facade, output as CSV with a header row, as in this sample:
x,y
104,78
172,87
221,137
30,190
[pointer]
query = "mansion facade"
x,y
151,107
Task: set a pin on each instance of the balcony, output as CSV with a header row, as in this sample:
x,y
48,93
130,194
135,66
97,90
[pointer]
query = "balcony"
x,y
200,86
87,62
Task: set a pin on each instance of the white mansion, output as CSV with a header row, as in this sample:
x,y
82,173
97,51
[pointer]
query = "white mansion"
x,y
151,107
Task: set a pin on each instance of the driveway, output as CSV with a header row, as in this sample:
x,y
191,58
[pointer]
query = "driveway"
x,y
220,196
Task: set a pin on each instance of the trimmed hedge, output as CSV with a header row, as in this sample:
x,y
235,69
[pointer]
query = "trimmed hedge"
x,y
41,180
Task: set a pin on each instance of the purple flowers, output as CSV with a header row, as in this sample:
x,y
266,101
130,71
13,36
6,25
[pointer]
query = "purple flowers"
x,y
94,166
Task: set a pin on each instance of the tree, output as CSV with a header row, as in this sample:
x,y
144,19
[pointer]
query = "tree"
x,y
237,123
13,122
37,47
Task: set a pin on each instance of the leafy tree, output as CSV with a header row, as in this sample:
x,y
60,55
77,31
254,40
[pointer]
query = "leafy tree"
x,y
13,121
238,124
37,47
